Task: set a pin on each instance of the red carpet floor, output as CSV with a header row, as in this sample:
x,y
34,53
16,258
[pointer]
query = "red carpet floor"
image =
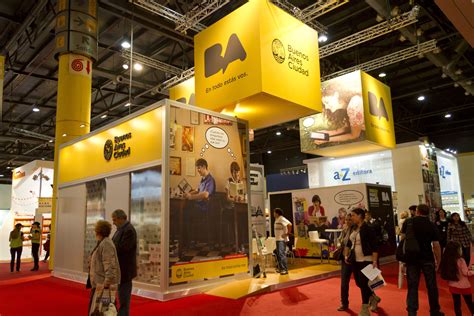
x,y
21,294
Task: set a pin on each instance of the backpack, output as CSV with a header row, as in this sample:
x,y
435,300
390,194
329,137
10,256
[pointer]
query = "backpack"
x,y
408,249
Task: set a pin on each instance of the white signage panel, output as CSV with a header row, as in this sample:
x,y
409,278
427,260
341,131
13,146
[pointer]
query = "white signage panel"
x,y
449,182
368,168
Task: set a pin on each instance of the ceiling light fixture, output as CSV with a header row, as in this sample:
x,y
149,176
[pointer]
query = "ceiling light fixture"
x,y
1,175
466,93
382,74
269,151
64,135
82,125
125,66
421,98
278,133
447,115
103,116
126,44
51,141
456,84
36,109
322,38
127,104
443,75
137,66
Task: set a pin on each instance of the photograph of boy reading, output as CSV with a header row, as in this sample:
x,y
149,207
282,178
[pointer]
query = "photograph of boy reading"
x,y
206,188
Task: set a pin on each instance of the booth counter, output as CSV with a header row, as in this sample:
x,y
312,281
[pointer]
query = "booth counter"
x,y
148,164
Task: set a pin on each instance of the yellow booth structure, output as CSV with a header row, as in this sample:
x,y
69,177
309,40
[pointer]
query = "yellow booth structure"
x,y
151,165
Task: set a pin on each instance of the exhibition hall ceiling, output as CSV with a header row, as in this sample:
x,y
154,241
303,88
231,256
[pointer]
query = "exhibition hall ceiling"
x,y
444,77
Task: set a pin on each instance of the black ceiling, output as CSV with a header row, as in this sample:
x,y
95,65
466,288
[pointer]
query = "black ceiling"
x,y
31,72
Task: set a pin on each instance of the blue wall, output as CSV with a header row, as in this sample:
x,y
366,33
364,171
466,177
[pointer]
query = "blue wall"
x,y
279,182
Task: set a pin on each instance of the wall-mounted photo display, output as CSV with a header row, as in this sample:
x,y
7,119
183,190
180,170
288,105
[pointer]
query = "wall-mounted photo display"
x,y
194,118
209,213
187,139
175,166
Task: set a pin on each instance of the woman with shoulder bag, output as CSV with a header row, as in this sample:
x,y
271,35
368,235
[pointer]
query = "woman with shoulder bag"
x,y
346,269
363,245
104,267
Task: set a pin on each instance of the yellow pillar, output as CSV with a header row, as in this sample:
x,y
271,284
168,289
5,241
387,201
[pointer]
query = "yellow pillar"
x,y
73,113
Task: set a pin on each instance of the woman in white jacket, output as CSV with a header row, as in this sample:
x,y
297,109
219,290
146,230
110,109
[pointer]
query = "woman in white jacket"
x,y
104,266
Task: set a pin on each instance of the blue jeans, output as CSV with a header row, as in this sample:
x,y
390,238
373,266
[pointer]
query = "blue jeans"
x,y
346,271
281,255
124,295
413,279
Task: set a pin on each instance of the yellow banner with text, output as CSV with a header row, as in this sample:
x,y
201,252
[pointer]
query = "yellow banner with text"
x,y
208,269
131,143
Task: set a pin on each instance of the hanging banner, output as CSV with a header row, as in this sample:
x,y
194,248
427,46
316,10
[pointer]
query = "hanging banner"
x,y
357,118
260,64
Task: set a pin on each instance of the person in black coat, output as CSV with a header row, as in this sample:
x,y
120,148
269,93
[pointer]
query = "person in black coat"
x,y
125,240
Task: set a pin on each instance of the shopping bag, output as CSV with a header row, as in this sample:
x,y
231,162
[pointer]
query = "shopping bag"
x,y
104,303
376,283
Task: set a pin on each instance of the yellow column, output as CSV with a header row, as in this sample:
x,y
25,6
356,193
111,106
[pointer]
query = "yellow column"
x,y
73,113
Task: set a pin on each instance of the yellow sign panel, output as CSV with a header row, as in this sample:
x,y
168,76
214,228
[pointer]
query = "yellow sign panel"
x,y
379,127
357,118
184,92
2,67
254,57
208,269
131,143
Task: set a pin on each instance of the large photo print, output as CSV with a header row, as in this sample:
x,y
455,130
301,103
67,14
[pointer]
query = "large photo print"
x,y
209,234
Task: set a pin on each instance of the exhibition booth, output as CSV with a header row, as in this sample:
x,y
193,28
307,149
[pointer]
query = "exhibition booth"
x,y
434,180
149,164
30,201
324,209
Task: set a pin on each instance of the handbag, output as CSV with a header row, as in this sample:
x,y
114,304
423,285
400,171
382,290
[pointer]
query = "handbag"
x,y
104,305
337,254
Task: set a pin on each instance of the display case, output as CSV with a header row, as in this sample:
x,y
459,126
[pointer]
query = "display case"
x,y
183,243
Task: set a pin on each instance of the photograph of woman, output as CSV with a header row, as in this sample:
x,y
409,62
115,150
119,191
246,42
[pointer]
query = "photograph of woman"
x,y
314,212
235,187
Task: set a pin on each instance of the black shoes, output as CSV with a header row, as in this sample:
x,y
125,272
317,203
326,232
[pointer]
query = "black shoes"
x,y
342,308
35,269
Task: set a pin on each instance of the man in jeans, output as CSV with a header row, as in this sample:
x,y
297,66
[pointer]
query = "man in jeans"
x,y
282,229
426,234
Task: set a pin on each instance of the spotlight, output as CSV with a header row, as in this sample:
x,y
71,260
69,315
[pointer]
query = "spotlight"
x,y
466,93
382,74
1,175
36,109
443,75
125,66
64,135
137,66
278,133
458,72
51,141
456,84
421,98
127,104
455,152
269,151
103,116
323,38
126,45
447,115
82,125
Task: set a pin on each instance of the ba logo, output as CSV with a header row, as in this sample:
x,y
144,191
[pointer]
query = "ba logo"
x,y
191,99
343,175
214,61
278,51
179,273
108,149
377,108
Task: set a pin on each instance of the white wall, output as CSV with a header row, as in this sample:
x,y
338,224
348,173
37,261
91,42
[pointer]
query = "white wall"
x,y
408,177
5,196
466,172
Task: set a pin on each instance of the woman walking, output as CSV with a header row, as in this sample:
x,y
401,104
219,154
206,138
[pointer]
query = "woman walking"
x,y
458,231
442,225
104,269
363,244
16,247
346,269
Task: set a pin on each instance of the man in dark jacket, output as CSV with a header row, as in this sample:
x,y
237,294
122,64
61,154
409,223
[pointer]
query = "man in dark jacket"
x,y
125,240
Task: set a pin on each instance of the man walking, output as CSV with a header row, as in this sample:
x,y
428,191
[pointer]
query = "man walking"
x,y
125,240
426,234
282,229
